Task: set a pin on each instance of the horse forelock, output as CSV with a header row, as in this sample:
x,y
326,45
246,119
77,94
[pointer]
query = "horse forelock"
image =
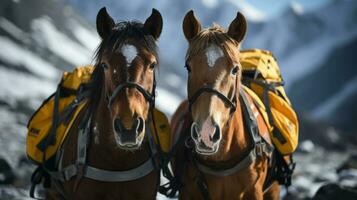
x,y
214,36
121,33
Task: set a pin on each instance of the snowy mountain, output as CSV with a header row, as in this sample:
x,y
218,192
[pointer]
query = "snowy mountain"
x,y
318,61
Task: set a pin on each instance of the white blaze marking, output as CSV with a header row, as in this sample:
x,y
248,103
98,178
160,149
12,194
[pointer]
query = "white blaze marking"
x,y
213,52
129,52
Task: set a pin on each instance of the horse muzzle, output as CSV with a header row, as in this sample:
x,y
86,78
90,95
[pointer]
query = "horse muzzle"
x,y
129,139
208,143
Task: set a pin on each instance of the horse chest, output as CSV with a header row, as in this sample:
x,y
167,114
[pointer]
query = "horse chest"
x,y
231,187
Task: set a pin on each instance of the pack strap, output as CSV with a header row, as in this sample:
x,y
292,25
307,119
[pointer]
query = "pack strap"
x,y
51,139
104,175
266,88
119,176
247,161
259,149
170,188
266,85
62,117
275,132
81,169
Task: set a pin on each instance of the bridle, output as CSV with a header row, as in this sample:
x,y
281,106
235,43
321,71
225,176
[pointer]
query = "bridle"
x,y
232,103
149,97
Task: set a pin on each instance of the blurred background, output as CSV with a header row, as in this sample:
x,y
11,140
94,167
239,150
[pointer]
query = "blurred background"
x,y
315,43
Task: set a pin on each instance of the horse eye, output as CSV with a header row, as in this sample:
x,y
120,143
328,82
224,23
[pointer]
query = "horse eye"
x,y
105,66
152,66
188,68
234,70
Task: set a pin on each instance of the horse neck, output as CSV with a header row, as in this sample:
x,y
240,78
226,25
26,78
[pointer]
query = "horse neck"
x,y
104,151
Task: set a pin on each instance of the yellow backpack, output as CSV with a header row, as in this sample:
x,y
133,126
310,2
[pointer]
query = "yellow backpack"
x,y
261,73
62,108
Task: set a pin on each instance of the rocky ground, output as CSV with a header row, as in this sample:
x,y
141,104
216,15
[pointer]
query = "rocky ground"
x,y
316,166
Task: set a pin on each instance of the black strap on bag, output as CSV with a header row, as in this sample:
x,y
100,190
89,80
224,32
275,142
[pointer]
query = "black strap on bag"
x,y
171,188
42,171
36,179
266,88
285,169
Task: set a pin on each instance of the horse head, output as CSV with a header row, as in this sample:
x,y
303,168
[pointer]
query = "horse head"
x,y
127,57
214,74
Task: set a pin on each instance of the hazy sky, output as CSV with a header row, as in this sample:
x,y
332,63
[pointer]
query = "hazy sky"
x,y
275,7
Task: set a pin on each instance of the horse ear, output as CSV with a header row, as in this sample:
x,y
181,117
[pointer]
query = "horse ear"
x,y
105,23
238,28
153,24
191,26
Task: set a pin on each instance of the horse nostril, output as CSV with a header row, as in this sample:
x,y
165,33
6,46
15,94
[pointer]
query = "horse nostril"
x,y
118,127
194,131
139,125
217,134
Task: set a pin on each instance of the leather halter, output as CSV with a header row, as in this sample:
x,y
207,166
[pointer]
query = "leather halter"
x,y
148,97
232,103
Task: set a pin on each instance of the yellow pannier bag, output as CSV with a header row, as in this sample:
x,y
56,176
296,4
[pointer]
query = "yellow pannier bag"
x,y
62,108
261,73
40,146
162,127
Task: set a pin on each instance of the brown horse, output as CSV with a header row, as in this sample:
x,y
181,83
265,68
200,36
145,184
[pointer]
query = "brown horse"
x,y
109,152
222,153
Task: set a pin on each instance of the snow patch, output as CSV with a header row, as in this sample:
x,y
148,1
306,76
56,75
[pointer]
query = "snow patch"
x,y
17,55
167,101
324,110
252,13
12,29
47,35
87,38
297,7
16,86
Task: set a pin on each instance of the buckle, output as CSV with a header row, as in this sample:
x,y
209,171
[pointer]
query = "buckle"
x,y
259,149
